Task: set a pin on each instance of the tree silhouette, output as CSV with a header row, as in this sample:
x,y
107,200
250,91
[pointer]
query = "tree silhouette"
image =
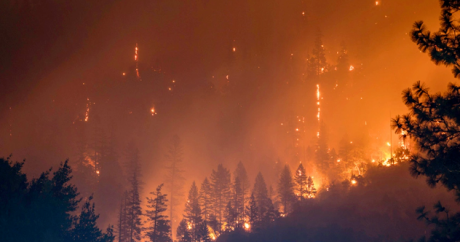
x,y
221,192
133,203
443,46
193,213
300,179
85,228
433,121
45,208
206,199
159,229
286,190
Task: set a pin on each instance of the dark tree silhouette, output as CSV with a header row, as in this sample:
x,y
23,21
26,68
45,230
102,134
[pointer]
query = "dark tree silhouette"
x,y
133,204
45,207
286,190
206,199
85,227
443,46
221,192
300,179
434,121
192,213
183,233
159,229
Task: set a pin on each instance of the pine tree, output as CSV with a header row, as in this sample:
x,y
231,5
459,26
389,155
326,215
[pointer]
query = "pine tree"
x,y
230,217
206,199
159,230
238,201
183,233
253,211
122,223
85,228
286,190
133,205
241,191
300,179
261,197
174,175
221,192
311,190
193,213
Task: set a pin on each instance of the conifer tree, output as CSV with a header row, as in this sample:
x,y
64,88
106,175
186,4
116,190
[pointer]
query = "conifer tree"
x,y
85,228
230,217
300,179
159,229
261,195
241,191
183,233
311,190
252,211
122,223
343,64
133,204
174,175
206,199
193,213
221,188
286,190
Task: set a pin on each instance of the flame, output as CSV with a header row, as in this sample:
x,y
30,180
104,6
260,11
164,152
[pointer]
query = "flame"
x,y
354,182
351,68
247,226
88,103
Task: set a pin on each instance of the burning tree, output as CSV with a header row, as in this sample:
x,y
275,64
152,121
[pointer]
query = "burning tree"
x,y
300,179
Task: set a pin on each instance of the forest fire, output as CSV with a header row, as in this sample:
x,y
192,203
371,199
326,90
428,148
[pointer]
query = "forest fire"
x,y
269,130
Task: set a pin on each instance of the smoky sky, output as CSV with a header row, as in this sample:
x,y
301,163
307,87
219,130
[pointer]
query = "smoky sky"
x,y
223,75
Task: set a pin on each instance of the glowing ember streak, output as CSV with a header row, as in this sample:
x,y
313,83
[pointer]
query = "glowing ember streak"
x,y
351,68
388,143
136,57
173,81
377,3
353,182
170,89
124,74
297,129
318,94
88,103
373,160
98,172
338,160
234,49
303,13
226,77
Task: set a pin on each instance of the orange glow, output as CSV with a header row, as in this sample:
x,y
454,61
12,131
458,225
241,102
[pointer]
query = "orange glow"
x,y
353,182
351,68
247,226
